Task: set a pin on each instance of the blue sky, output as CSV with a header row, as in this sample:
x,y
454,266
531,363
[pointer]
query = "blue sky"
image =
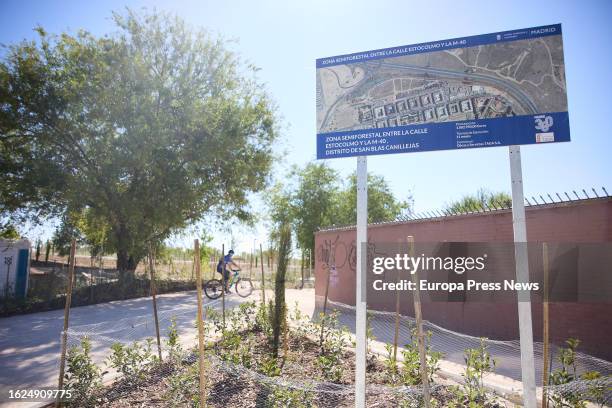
x,y
284,38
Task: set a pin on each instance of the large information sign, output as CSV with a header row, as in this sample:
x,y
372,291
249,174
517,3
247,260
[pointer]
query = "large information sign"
x,y
499,89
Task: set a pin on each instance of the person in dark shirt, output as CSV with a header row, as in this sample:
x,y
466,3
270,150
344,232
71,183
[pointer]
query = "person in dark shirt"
x,y
229,262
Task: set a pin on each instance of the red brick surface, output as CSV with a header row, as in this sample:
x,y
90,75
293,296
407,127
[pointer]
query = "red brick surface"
x,y
587,221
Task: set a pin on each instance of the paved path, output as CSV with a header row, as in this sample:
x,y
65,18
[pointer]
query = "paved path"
x,y
30,343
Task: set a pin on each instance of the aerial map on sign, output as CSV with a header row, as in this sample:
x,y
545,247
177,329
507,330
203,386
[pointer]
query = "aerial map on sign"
x,y
504,79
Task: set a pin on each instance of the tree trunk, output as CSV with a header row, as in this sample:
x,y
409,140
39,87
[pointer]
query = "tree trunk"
x,y
126,262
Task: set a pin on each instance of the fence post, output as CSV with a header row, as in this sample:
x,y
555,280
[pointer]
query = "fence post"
x,y
66,319
419,323
196,260
154,296
302,270
263,278
224,285
325,303
545,332
397,320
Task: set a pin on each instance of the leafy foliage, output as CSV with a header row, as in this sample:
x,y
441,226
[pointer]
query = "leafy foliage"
x,y
409,371
473,392
133,361
313,201
282,397
82,375
315,197
480,201
175,351
8,231
142,132
567,373
335,339
382,205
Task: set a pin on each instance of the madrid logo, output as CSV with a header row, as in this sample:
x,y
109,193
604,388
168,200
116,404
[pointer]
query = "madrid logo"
x,y
543,122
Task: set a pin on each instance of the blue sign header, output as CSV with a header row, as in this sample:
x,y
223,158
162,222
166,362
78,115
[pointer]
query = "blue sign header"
x,y
463,42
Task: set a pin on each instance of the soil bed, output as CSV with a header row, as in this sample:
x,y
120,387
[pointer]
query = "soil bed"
x,y
299,383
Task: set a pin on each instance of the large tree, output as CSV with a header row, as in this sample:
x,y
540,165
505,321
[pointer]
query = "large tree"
x,y
145,131
382,204
315,197
314,201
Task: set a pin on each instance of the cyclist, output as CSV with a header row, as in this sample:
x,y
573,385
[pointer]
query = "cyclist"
x,y
228,260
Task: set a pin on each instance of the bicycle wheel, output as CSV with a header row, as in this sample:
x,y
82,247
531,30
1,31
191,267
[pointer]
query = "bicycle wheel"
x,y
213,289
244,287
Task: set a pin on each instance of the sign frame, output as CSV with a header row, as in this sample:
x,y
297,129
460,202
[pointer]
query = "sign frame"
x,y
451,122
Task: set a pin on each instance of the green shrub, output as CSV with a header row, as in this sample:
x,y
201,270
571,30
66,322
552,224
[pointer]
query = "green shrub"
x,y
183,388
235,348
242,318
82,376
269,366
134,361
573,397
391,366
284,397
175,351
473,393
408,373
334,340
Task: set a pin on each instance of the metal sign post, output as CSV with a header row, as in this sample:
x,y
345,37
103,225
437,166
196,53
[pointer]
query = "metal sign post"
x,y
522,276
545,329
360,299
352,121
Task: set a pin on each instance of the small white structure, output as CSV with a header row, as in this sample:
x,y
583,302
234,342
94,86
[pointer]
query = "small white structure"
x,y
14,267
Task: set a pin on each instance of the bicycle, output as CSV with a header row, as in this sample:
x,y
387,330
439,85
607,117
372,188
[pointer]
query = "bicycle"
x,y
243,286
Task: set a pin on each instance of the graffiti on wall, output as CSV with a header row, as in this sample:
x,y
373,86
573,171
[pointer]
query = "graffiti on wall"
x,y
334,252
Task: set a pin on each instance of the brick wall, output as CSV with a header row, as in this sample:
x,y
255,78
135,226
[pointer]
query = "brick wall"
x,y
586,221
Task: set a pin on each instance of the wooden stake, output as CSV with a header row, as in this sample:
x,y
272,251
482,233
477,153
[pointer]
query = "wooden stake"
x,y
71,261
545,332
325,304
285,337
326,290
263,278
302,271
420,335
397,319
154,297
200,322
224,286
310,264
